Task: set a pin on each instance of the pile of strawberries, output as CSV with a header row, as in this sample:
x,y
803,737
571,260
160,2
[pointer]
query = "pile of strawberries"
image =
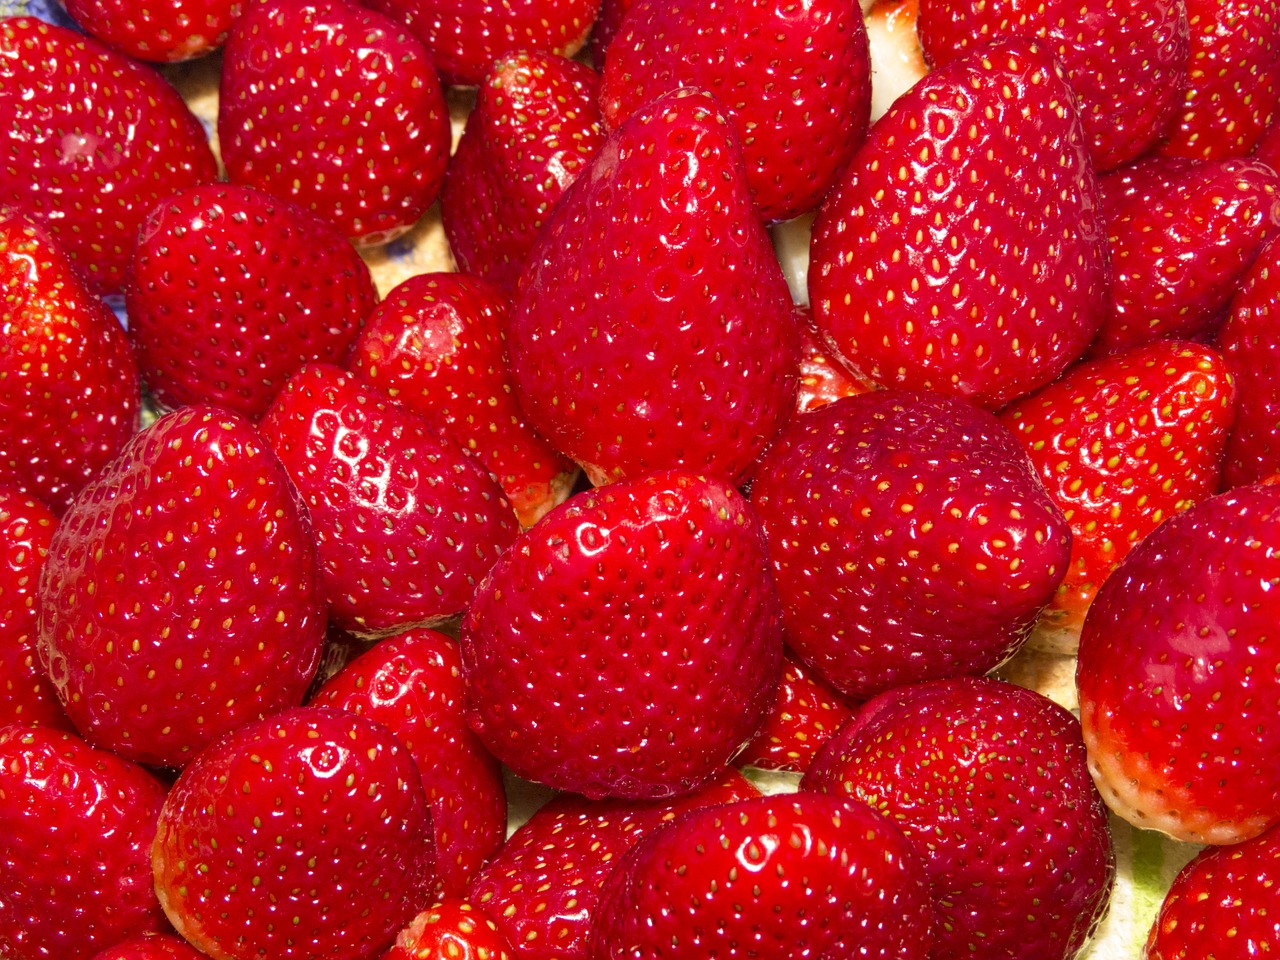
x,y
617,509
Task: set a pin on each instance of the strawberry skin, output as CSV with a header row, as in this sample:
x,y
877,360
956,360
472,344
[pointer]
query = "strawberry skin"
x,y
823,379
806,711
303,835
795,81
160,33
1010,292
181,598
93,140
151,946
629,643
232,290
638,343
1177,683
451,930
336,108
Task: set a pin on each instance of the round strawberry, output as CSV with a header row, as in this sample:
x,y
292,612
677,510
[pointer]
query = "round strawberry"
x,y
151,946
451,930
161,33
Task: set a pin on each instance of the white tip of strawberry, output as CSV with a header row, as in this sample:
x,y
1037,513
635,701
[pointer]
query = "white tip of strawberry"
x,y
897,61
791,243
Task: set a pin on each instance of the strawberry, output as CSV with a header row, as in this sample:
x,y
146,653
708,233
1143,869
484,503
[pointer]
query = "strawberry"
x,y
76,826
412,684
1122,443
823,379
794,876
336,108
231,290
450,930
1176,677
160,33
306,834
638,343
1182,234
151,946
910,539
69,398
405,526
629,643
989,782
1003,297
437,344
180,598
1127,62
94,140
608,23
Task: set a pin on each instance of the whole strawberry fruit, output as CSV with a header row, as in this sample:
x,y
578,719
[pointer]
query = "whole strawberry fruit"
x,y
1250,342
160,33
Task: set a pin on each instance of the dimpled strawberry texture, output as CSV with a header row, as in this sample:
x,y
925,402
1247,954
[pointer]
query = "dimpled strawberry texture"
x,y
93,139
451,930
628,644
963,250
1250,342
152,946
160,33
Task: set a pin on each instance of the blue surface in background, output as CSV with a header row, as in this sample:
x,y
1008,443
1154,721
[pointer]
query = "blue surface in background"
x,y
48,10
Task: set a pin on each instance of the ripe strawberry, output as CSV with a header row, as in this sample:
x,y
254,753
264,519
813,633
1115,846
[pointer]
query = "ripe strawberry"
x,y
910,539
1177,680
1182,234
231,290
823,379
405,526
161,33
302,835
336,108
1127,62
412,684
795,82
180,598
151,946
806,711
437,344
628,644
989,782
793,876
608,23
1003,297
93,140
68,381
76,826
1122,443
639,343
534,128
450,930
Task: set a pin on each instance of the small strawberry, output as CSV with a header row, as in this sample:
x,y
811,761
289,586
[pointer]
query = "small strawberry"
x,y
93,139
181,598
790,876
964,249
1177,679
450,930
405,526
654,328
823,379
161,33
629,643
989,782
303,835
151,946
231,290
336,108
76,826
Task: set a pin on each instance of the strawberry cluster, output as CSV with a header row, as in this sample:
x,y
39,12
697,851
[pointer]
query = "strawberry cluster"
x,y
771,418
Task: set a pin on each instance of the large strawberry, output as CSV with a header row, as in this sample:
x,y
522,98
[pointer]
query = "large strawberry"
x,y
654,328
337,108
964,248
181,597
629,643
158,32
1177,677
92,140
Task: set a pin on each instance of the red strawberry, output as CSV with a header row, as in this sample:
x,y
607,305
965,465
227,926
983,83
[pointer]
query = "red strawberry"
x,y
1122,443
180,598
805,713
542,887
68,381
793,876
151,946
639,342
1182,234
76,826
823,379
989,782
412,684
437,344
608,22
338,109
1233,87
405,525
302,835
93,140
1267,149
1176,678
534,128
450,930
963,250
1127,62
162,33
628,644
910,539
232,290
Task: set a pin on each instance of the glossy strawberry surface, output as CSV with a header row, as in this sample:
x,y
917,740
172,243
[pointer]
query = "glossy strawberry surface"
x,y
451,930
160,33
806,712
152,946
